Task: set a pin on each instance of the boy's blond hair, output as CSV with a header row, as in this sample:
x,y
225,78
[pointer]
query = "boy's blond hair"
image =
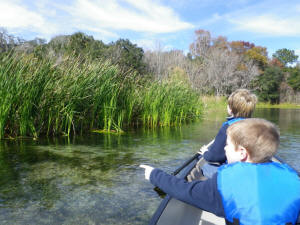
x,y
258,136
242,103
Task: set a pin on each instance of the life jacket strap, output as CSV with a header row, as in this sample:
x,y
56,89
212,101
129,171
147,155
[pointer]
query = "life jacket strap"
x,y
235,222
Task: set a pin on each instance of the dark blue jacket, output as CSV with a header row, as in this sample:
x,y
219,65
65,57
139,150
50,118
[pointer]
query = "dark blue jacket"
x,y
203,195
216,152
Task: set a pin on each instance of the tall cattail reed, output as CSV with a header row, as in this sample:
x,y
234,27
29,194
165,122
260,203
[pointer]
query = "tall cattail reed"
x,y
40,96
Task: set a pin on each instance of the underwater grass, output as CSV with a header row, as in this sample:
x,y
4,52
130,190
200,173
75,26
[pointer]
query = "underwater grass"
x,y
40,96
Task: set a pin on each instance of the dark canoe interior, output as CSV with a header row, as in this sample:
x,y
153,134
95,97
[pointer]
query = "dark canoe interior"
x,y
174,212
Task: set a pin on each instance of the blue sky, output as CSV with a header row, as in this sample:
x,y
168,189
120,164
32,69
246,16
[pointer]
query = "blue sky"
x,y
170,24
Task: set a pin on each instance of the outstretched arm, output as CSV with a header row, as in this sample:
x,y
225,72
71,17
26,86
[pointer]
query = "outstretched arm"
x,y
203,195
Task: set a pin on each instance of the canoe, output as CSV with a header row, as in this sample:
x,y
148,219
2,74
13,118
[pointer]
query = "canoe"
x,y
175,212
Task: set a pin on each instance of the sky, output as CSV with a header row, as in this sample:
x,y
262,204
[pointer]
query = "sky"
x,y
154,24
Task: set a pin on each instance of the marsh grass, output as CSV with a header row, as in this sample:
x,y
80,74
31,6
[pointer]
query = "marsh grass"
x,y
214,103
218,104
170,102
278,106
39,96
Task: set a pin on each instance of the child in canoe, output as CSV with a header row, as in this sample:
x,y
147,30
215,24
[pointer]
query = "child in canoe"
x,y
241,104
250,189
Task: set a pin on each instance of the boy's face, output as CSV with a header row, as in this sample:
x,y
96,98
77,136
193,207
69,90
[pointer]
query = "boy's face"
x,y
233,154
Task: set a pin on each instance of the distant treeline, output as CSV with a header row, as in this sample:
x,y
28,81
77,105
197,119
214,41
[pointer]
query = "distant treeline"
x,y
75,83
213,65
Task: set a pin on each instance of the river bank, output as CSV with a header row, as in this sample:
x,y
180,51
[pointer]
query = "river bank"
x,y
219,103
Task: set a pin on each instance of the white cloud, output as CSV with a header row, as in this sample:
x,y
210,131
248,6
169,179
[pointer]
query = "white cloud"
x,y
105,19
153,44
146,44
268,17
269,24
14,16
141,16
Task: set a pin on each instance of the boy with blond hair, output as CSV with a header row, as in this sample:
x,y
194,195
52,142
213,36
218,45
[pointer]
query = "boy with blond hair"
x,y
241,104
250,189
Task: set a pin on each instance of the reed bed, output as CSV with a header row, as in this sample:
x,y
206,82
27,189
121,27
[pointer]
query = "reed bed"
x,y
40,96
169,103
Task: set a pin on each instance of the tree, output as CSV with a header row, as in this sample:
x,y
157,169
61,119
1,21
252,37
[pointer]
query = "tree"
x,y
76,44
294,78
220,42
223,66
127,55
285,56
226,71
202,43
276,62
240,47
8,41
258,55
267,84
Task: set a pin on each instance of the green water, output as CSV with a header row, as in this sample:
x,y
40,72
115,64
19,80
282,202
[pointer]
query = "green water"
x,y
96,179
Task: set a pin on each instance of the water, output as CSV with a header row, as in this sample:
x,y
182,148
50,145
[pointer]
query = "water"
x,y
96,179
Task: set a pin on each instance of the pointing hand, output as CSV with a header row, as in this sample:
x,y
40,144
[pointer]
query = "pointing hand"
x,y
148,170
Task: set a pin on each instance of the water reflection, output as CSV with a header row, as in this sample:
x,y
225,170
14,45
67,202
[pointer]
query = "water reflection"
x,y
95,179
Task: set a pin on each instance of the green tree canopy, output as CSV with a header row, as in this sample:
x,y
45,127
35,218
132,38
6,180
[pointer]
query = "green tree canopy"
x,y
267,84
285,56
294,78
78,44
127,55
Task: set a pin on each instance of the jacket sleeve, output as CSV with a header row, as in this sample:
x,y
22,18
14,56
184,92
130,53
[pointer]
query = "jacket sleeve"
x,y
201,194
216,152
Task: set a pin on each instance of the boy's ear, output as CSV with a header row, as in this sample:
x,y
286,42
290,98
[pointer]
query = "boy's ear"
x,y
244,156
229,111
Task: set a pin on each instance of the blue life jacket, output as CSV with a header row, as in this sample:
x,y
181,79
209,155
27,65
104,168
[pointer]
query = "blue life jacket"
x,y
266,193
231,121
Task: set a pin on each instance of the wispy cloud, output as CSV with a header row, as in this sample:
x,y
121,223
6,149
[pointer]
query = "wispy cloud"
x,y
16,16
282,20
140,16
147,21
13,15
105,19
269,25
153,44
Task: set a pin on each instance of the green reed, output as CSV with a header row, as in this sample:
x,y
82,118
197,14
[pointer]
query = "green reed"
x,y
43,96
170,102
